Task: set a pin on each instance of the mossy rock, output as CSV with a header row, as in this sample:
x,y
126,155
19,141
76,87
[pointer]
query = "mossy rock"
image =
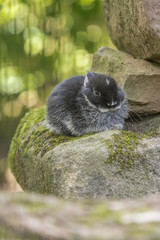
x,y
111,164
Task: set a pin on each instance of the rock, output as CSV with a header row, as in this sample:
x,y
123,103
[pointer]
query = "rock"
x,y
3,169
134,26
139,78
144,124
111,164
34,217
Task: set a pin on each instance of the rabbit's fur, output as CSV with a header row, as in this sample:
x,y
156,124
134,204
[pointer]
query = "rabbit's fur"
x,y
86,104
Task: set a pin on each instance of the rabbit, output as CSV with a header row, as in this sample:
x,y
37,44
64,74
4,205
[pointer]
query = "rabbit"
x,y
86,104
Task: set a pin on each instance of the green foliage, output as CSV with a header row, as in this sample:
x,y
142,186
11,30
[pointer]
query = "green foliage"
x,y
42,42
52,38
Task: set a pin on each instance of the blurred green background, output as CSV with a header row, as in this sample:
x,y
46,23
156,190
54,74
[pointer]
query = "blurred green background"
x,y
42,42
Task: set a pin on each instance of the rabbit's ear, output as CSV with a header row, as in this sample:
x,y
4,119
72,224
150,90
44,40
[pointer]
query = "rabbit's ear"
x,y
86,80
107,81
91,74
88,77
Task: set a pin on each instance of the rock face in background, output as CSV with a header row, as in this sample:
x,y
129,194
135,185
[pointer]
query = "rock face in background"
x,y
134,26
112,164
139,78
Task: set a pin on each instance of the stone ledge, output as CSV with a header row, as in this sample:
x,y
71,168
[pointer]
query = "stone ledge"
x,y
139,78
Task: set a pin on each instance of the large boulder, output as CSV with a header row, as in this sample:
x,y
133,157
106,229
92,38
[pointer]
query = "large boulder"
x,y
139,78
134,26
111,164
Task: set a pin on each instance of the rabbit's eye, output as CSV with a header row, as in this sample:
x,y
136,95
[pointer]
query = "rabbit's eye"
x,y
96,93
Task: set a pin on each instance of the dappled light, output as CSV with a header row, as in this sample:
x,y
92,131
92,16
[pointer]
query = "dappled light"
x,y
10,82
41,44
12,109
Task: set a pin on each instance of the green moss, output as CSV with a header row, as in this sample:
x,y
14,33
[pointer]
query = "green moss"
x,y
8,233
32,135
123,150
31,206
100,213
30,119
152,133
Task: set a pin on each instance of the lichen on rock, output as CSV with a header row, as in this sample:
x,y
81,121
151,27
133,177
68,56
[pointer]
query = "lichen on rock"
x,y
109,164
123,150
32,133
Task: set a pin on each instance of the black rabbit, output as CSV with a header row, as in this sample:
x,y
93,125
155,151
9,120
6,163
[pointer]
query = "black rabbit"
x,y
86,104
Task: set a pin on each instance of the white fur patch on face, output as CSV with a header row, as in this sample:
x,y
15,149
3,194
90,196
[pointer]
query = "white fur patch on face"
x,y
114,109
103,109
108,110
89,103
107,81
85,81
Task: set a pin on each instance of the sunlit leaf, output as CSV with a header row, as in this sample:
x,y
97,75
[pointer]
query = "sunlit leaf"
x,y
83,59
34,43
86,2
94,33
29,98
12,109
44,2
34,80
16,27
10,81
9,11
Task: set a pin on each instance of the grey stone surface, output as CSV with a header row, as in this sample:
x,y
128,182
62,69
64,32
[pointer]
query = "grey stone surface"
x,y
85,167
82,170
139,78
134,26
